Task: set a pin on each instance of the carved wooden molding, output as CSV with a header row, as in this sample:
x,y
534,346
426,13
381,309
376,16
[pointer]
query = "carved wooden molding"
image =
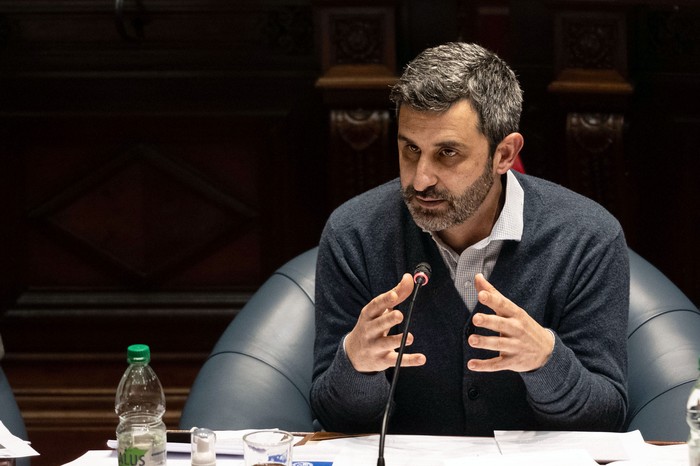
x,y
155,38
357,49
357,35
360,152
595,153
595,147
590,52
360,129
592,83
358,61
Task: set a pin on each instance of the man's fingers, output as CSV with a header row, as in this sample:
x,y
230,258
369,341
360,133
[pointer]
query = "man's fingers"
x,y
404,288
480,283
392,344
369,346
497,344
412,360
492,322
487,293
486,365
391,298
490,297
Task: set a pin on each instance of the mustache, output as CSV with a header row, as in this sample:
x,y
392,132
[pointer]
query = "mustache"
x,y
409,192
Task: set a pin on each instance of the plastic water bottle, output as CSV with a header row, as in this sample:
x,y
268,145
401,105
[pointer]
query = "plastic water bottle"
x,y
140,404
693,418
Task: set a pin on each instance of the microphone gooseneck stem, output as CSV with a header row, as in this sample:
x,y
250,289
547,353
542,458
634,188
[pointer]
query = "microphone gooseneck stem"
x,y
385,421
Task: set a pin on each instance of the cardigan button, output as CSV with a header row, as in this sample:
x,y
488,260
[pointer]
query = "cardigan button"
x,y
473,393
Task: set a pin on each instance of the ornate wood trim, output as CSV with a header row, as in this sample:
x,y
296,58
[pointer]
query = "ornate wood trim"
x,y
358,62
591,67
595,156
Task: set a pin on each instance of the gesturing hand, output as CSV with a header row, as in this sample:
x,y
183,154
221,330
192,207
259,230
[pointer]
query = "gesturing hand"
x,y
369,346
523,344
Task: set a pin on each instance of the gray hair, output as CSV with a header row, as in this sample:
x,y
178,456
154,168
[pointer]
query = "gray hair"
x,y
440,76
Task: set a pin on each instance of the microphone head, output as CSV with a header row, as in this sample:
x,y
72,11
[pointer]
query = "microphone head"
x,y
421,275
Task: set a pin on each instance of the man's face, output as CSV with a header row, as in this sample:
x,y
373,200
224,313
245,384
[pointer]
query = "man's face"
x,y
446,171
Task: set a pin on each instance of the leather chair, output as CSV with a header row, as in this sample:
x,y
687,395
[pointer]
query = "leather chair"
x,y
663,344
259,372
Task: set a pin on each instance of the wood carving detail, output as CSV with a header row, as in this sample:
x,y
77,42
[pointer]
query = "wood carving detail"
x,y
359,128
359,147
590,43
595,133
594,143
357,39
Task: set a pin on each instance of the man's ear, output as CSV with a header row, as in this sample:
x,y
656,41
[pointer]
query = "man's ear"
x,y
506,152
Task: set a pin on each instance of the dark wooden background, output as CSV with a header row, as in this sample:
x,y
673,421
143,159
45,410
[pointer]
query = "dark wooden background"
x,y
158,162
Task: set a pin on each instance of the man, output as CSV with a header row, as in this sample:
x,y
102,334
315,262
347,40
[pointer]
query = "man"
x,y
523,323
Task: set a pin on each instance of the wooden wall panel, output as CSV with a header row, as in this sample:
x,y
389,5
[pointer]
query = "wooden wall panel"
x,y
640,59
121,198
666,61
151,160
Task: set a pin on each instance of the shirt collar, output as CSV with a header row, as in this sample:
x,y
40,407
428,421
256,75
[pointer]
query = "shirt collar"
x,y
509,225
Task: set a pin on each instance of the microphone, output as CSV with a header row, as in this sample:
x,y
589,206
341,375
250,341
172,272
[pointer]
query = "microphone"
x,y
421,276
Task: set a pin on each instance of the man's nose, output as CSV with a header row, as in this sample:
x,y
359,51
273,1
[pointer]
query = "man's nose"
x,y
425,174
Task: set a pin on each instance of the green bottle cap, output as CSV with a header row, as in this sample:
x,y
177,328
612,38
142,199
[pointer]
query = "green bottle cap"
x,y
138,353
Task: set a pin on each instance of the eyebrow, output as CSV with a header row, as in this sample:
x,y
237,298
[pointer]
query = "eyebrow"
x,y
446,143
403,138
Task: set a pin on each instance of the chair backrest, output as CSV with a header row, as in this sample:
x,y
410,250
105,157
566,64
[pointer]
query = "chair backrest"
x,y
663,343
259,373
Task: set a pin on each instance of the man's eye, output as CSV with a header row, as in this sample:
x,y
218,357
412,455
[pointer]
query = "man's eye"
x,y
448,153
413,148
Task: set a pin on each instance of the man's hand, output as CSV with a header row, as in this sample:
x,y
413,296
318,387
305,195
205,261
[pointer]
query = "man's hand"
x,y
368,345
523,344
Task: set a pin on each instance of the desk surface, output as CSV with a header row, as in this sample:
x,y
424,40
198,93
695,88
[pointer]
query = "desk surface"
x,y
505,449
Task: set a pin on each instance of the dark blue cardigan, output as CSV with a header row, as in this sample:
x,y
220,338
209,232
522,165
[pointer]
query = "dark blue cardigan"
x,y
570,272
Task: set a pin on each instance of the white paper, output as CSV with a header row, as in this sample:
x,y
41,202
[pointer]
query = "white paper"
x,y
657,455
602,446
411,450
547,458
12,446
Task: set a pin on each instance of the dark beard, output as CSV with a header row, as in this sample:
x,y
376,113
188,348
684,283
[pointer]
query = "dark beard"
x,y
459,208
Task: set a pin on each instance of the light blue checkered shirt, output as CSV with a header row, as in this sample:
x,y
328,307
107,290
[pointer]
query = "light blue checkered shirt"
x,y
482,256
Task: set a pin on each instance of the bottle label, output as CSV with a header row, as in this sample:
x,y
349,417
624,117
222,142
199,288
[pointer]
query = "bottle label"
x,y
152,454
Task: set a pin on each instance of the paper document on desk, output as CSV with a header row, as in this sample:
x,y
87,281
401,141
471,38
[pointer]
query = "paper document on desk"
x,y
405,450
12,446
602,446
416,450
657,455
